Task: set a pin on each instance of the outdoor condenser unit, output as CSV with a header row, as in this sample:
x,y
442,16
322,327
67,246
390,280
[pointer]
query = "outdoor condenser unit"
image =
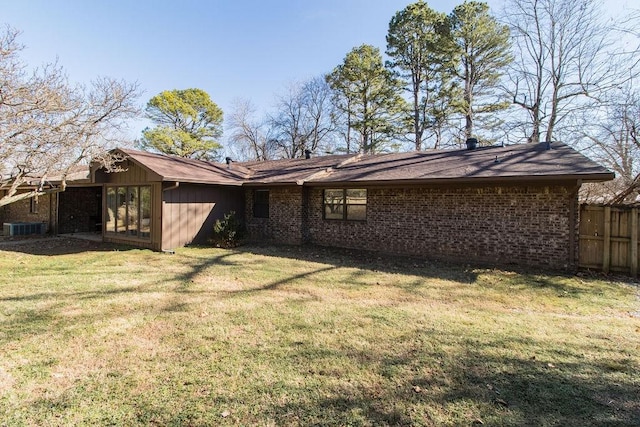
x,y
23,228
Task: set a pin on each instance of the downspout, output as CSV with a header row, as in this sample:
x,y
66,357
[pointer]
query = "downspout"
x,y
306,233
50,226
172,187
573,232
55,227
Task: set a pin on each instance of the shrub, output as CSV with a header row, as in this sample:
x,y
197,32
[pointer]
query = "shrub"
x,y
228,232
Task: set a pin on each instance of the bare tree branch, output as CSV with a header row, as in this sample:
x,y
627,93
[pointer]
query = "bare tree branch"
x,y
49,126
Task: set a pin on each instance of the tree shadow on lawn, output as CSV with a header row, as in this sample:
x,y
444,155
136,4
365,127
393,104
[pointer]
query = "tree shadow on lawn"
x,y
413,383
58,245
367,260
456,271
471,385
39,319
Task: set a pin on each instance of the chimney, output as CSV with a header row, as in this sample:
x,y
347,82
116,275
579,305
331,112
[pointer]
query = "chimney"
x,y
472,143
307,154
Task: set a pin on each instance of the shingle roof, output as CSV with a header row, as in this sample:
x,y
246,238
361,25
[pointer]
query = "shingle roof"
x,y
515,162
526,161
173,168
288,171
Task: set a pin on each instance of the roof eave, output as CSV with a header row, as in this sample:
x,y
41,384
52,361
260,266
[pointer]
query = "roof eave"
x,y
600,177
270,184
238,183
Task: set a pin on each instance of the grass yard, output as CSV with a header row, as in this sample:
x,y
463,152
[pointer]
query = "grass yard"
x,y
269,336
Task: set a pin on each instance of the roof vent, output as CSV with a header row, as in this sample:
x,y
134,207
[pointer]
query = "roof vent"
x,y
307,154
472,143
228,160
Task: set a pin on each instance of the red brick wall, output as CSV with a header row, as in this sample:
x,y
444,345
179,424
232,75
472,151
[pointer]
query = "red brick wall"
x,y
21,211
520,224
527,225
284,224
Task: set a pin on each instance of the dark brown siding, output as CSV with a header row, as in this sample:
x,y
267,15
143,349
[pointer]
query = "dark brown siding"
x,y
527,225
190,210
133,174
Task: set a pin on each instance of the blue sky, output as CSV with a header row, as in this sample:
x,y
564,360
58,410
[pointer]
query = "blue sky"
x,y
232,49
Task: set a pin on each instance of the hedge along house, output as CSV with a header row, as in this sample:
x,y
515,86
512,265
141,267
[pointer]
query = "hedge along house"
x,y
496,204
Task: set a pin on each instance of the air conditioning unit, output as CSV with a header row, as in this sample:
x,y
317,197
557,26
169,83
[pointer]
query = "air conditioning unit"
x,y
23,228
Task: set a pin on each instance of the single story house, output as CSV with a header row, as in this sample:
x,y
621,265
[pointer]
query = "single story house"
x,y
78,209
516,204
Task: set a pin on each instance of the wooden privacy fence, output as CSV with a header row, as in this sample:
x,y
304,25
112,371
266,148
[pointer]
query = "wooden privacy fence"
x,y
609,238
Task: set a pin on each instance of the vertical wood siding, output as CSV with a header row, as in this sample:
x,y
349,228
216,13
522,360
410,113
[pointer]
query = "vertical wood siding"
x,y
133,174
189,212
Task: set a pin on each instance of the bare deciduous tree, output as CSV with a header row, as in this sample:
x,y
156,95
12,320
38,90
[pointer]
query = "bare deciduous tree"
x,y
250,138
304,119
48,126
614,139
565,55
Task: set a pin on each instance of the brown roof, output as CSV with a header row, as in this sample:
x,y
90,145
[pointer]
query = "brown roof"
x,y
515,162
526,161
292,171
173,168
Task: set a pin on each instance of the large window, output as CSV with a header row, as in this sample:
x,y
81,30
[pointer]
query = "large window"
x,y
129,211
261,204
345,203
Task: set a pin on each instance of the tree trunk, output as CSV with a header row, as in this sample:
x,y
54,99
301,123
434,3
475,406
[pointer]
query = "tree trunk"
x,y
416,113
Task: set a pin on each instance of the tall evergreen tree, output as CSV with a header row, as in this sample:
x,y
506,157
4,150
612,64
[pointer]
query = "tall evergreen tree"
x,y
484,50
369,95
188,124
421,51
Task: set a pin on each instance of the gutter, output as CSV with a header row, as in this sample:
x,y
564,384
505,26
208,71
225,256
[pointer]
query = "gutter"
x,y
238,183
172,187
479,180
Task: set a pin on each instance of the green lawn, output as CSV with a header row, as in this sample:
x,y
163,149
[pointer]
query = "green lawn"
x,y
97,335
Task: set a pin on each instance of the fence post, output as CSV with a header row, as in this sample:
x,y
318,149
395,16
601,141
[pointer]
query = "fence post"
x,y
634,242
606,254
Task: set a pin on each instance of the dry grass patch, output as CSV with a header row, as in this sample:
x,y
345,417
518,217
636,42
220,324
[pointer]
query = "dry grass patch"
x,y
304,336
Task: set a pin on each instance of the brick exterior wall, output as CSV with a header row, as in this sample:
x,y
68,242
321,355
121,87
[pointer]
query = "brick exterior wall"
x,y
526,225
284,224
21,211
520,224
